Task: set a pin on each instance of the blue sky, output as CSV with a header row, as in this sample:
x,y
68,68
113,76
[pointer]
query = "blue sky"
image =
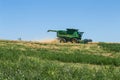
x,y
30,19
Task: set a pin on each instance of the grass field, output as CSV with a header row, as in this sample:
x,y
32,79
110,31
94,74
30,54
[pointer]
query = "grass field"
x,y
45,61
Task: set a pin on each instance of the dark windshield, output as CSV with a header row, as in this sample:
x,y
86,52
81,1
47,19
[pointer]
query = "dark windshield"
x,y
80,35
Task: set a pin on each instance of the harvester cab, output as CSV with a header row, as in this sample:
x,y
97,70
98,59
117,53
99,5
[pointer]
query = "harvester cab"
x,y
70,35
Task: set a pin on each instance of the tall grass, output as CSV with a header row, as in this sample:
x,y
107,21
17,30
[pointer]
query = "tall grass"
x,y
28,69
19,62
114,47
79,57
75,56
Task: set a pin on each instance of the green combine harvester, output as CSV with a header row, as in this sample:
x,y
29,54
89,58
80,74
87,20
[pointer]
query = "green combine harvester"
x,y
70,35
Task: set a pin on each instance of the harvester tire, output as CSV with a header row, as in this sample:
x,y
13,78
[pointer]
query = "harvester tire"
x,y
62,40
74,40
89,40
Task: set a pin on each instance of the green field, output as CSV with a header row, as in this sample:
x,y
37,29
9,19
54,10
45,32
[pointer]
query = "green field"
x,y
45,61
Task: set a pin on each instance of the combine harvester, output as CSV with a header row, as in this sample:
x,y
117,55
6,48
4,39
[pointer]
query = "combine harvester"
x,y
70,35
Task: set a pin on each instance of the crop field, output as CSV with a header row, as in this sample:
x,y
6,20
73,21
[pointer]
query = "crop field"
x,y
20,60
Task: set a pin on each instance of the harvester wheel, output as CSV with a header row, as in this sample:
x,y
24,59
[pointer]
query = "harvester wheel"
x,y
90,40
62,40
74,40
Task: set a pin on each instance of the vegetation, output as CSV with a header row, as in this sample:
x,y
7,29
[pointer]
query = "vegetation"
x,y
42,61
114,47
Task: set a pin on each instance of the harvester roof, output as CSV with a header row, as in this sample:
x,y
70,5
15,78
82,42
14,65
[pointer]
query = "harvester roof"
x,y
72,29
